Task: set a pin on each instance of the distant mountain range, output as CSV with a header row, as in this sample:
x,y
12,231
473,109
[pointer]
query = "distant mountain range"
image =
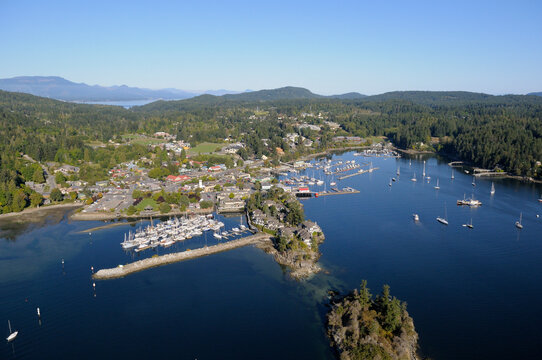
x,y
61,89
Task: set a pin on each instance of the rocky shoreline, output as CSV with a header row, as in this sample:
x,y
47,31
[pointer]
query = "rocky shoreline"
x,y
301,264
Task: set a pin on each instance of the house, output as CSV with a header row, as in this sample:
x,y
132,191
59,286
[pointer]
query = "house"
x,y
309,126
272,224
307,142
287,232
67,169
305,236
311,227
332,125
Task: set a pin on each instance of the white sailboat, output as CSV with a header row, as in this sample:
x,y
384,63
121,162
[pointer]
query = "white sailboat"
x,y
414,178
389,183
416,217
423,173
453,174
443,220
473,181
469,225
518,223
398,171
12,335
437,187
492,192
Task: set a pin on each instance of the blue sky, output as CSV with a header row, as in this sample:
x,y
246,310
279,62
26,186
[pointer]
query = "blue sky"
x,y
328,47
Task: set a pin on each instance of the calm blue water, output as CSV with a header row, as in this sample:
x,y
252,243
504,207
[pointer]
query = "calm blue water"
x,y
472,293
124,103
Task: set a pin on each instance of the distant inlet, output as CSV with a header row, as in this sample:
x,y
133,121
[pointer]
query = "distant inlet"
x,y
123,270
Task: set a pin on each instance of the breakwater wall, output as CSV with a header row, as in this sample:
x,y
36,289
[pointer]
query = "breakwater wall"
x,y
123,270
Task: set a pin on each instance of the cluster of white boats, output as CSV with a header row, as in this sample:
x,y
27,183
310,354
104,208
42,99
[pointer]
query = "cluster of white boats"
x,y
173,230
348,165
303,181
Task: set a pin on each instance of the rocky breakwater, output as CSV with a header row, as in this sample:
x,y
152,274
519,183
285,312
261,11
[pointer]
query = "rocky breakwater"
x,y
123,270
362,327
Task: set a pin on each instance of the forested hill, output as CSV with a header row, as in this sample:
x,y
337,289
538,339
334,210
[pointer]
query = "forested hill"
x,y
447,98
488,131
535,93
288,93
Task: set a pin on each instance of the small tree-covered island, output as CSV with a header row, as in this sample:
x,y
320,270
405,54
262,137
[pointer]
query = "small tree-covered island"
x,y
363,327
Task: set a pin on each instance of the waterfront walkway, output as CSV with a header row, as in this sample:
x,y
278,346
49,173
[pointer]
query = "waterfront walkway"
x,y
123,270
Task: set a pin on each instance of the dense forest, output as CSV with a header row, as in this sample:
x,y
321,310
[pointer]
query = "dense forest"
x,y
488,131
363,327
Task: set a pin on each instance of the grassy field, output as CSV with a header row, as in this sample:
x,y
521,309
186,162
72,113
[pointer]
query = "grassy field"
x,y
142,140
204,148
146,202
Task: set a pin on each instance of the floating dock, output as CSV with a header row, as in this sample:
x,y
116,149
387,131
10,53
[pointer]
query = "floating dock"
x,y
123,270
357,173
354,191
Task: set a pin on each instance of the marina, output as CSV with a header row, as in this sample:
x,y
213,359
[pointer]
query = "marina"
x,y
124,270
382,232
171,231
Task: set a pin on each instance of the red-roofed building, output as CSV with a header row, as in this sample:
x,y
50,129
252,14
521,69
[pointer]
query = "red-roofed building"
x,y
177,178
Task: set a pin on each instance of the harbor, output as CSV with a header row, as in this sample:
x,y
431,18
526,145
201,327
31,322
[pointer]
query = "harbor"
x,y
124,270
173,230
53,264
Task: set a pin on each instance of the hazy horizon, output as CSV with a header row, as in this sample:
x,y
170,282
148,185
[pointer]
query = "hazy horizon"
x,y
370,48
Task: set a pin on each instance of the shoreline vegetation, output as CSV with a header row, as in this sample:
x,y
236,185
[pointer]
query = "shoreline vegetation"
x,y
363,327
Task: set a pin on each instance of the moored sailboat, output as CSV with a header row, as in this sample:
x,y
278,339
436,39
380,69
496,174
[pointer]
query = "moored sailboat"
x,y
443,220
12,335
518,223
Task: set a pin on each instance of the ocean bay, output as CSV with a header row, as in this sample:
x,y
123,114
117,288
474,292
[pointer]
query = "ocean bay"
x,y
471,292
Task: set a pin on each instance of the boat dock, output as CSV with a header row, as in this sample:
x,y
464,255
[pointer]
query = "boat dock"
x,y
340,192
357,173
123,270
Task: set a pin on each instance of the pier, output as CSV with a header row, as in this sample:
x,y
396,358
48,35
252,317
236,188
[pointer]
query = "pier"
x,y
343,192
357,173
455,163
123,270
